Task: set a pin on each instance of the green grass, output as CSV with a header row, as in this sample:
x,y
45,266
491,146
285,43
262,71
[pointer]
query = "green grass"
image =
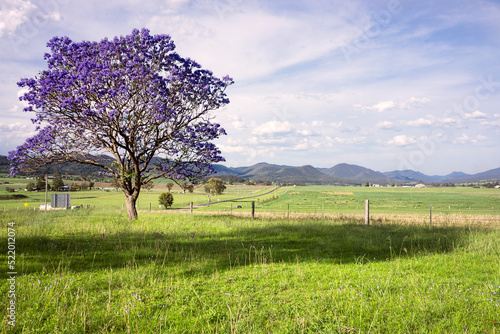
x,y
309,199
456,200
92,271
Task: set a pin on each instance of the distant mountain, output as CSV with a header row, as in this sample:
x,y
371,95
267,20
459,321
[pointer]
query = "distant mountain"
x,y
339,174
358,173
455,177
303,174
411,176
279,173
261,170
223,170
4,164
492,174
70,168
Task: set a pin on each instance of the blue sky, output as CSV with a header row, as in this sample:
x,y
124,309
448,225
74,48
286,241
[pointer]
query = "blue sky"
x,y
388,85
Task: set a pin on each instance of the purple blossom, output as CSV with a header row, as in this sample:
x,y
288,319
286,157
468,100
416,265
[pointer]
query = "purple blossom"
x,y
131,97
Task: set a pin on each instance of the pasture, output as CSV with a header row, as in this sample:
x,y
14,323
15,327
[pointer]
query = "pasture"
x,y
320,271
311,200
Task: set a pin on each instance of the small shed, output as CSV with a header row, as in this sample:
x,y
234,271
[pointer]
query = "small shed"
x,y
62,201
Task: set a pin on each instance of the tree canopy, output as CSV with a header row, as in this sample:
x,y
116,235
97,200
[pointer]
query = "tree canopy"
x,y
214,186
133,97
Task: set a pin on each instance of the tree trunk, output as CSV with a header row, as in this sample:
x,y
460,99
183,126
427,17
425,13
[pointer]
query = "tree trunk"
x,y
131,209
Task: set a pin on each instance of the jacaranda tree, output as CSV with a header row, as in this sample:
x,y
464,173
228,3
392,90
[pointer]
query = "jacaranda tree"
x,y
133,98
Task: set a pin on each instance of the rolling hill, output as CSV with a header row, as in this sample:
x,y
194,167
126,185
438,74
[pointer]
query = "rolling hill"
x,y
358,173
342,173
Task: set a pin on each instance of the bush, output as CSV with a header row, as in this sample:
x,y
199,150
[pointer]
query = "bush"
x,y
166,199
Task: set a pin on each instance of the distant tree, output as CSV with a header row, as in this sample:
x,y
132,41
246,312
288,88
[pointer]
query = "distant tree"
x,y
40,183
57,181
130,96
166,199
186,186
30,186
148,186
116,183
214,187
170,186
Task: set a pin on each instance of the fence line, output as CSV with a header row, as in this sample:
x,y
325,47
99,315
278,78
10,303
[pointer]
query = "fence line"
x,y
435,215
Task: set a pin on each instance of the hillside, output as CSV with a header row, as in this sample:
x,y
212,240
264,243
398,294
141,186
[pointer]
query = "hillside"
x,y
278,173
4,164
303,174
358,173
342,173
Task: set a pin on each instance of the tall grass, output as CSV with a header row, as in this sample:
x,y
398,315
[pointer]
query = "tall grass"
x,y
95,272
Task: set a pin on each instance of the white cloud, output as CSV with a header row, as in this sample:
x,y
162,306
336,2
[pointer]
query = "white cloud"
x,y
27,16
15,127
306,144
475,115
305,132
464,139
402,140
346,141
386,125
381,106
430,120
248,152
420,122
495,123
481,137
273,127
412,102
262,40
13,14
317,123
337,125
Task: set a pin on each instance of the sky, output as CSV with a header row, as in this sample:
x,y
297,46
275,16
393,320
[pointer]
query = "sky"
x,y
388,85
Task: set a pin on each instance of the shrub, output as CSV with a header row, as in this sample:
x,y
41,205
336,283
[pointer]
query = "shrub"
x,y
166,199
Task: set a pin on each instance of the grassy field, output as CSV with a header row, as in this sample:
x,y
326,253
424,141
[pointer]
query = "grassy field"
x,y
316,200
92,271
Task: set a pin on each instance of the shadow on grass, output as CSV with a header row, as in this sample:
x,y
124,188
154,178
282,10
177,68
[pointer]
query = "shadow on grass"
x,y
270,241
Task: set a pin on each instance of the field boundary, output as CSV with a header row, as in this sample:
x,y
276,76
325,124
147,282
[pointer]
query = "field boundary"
x,y
227,200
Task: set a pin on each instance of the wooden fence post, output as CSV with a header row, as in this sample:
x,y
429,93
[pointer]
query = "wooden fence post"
x,y
149,207
430,215
191,207
367,212
253,209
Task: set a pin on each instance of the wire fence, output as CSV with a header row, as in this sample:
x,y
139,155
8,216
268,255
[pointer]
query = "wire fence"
x,y
423,214
440,214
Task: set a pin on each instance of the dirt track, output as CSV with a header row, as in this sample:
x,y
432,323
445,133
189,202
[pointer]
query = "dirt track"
x,y
227,200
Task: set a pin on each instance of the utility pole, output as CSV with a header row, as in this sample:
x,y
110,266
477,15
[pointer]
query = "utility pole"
x,y
46,189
